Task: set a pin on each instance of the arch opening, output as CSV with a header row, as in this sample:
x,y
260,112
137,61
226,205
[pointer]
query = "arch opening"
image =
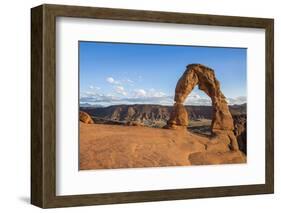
x,y
200,112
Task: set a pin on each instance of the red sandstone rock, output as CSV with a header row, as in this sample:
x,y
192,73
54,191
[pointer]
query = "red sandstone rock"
x,y
85,118
204,77
240,131
179,115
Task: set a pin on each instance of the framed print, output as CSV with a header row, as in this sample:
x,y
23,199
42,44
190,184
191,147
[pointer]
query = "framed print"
x,y
136,106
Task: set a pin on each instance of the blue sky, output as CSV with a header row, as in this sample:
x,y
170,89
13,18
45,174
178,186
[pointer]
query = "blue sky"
x,y
119,73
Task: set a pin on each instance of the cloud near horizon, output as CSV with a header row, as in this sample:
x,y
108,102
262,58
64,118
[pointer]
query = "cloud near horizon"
x,y
142,96
122,92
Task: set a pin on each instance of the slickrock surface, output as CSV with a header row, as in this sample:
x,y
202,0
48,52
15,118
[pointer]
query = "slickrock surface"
x,y
114,146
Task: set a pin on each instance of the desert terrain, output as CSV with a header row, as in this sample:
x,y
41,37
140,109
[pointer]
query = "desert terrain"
x,y
104,146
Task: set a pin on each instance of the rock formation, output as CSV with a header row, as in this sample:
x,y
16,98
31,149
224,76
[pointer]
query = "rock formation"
x,y
240,131
85,118
204,77
179,116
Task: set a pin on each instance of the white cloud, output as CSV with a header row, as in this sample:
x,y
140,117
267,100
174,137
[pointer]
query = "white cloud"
x,y
151,93
112,80
195,99
238,100
128,81
194,96
154,93
120,90
125,81
139,93
139,96
94,87
89,97
147,96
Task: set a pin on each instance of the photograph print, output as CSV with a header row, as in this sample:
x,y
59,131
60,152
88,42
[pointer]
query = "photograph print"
x,y
152,105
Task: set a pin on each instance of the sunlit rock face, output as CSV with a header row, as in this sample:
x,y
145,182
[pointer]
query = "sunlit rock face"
x,y
204,77
85,118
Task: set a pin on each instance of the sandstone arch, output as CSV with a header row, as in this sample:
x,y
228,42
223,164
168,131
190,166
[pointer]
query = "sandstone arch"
x,y
204,77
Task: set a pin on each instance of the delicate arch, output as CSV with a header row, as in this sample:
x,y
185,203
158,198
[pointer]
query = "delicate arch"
x,y
204,77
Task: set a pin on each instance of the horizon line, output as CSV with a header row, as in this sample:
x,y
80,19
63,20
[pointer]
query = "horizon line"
x,y
100,105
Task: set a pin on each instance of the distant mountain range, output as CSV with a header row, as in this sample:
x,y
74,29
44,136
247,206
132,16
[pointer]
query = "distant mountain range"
x,y
146,112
